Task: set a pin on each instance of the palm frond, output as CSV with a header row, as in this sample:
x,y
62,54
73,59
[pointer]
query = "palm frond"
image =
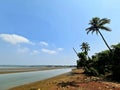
x,y
93,31
105,28
104,21
88,31
90,28
96,20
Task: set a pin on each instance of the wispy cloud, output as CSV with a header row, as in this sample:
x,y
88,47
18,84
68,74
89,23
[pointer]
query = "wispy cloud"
x,y
35,52
60,49
14,39
48,51
42,43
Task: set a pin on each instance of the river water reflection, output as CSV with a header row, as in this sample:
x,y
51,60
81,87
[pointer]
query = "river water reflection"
x,y
11,80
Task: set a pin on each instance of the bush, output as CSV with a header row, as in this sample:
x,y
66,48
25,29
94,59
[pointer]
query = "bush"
x,y
91,71
116,64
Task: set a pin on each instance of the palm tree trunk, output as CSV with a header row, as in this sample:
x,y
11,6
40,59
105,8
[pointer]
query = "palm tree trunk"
x,y
75,51
104,41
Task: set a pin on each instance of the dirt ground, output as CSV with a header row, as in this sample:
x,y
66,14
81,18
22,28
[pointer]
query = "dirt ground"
x,y
74,80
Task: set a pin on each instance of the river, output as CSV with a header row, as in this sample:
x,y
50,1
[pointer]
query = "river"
x,y
15,79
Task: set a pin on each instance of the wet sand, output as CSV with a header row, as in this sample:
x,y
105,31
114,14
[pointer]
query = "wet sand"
x,y
25,69
74,80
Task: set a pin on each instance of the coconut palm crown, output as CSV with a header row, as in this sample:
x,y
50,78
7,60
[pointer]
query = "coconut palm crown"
x,y
98,24
85,47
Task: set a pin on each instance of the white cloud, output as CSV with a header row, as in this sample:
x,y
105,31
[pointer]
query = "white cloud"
x,y
35,52
48,51
42,43
60,49
14,39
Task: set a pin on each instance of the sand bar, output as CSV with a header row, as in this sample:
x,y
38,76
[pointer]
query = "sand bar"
x,y
25,69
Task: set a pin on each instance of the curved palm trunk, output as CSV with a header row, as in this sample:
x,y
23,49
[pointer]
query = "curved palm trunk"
x,y
104,41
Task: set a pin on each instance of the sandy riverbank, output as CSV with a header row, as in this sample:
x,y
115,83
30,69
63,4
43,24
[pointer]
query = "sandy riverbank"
x,y
25,69
74,80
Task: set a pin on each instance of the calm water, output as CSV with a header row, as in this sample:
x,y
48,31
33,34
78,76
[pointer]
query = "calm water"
x,y
11,80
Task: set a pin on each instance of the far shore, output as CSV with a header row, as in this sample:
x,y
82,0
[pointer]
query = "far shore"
x,y
28,69
74,80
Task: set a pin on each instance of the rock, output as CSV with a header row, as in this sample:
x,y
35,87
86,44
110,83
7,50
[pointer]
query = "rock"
x,y
106,86
99,88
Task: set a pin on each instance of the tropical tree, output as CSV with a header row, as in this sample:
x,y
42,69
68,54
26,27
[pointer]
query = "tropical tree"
x,y
85,47
116,62
97,24
82,62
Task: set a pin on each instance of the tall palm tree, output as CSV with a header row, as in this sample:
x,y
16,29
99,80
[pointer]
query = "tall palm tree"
x,y
97,24
85,47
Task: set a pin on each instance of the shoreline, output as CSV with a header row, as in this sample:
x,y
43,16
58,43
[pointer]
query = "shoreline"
x,y
28,69
40,84
74,80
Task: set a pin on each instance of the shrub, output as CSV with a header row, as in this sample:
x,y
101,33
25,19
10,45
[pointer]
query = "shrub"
x,y
91,71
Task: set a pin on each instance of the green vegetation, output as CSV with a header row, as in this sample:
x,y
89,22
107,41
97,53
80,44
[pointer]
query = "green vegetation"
x,y
104,63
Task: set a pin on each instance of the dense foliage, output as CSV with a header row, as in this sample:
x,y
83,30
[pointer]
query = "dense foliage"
x,y
103,63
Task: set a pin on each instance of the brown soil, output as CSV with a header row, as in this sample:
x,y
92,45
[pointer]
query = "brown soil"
x,y
74,80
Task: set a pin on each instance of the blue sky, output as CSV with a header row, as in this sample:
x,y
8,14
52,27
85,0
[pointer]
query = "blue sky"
x,y
43,32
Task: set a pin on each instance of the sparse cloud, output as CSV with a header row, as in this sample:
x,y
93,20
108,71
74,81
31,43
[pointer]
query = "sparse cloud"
x,y
14,39
35,52
42,43
48,51
60,49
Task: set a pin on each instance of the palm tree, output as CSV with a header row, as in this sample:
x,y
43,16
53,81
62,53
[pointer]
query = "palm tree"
x,y
85,47
97,24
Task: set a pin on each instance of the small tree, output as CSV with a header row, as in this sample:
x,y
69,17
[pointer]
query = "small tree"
x,y
82,62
